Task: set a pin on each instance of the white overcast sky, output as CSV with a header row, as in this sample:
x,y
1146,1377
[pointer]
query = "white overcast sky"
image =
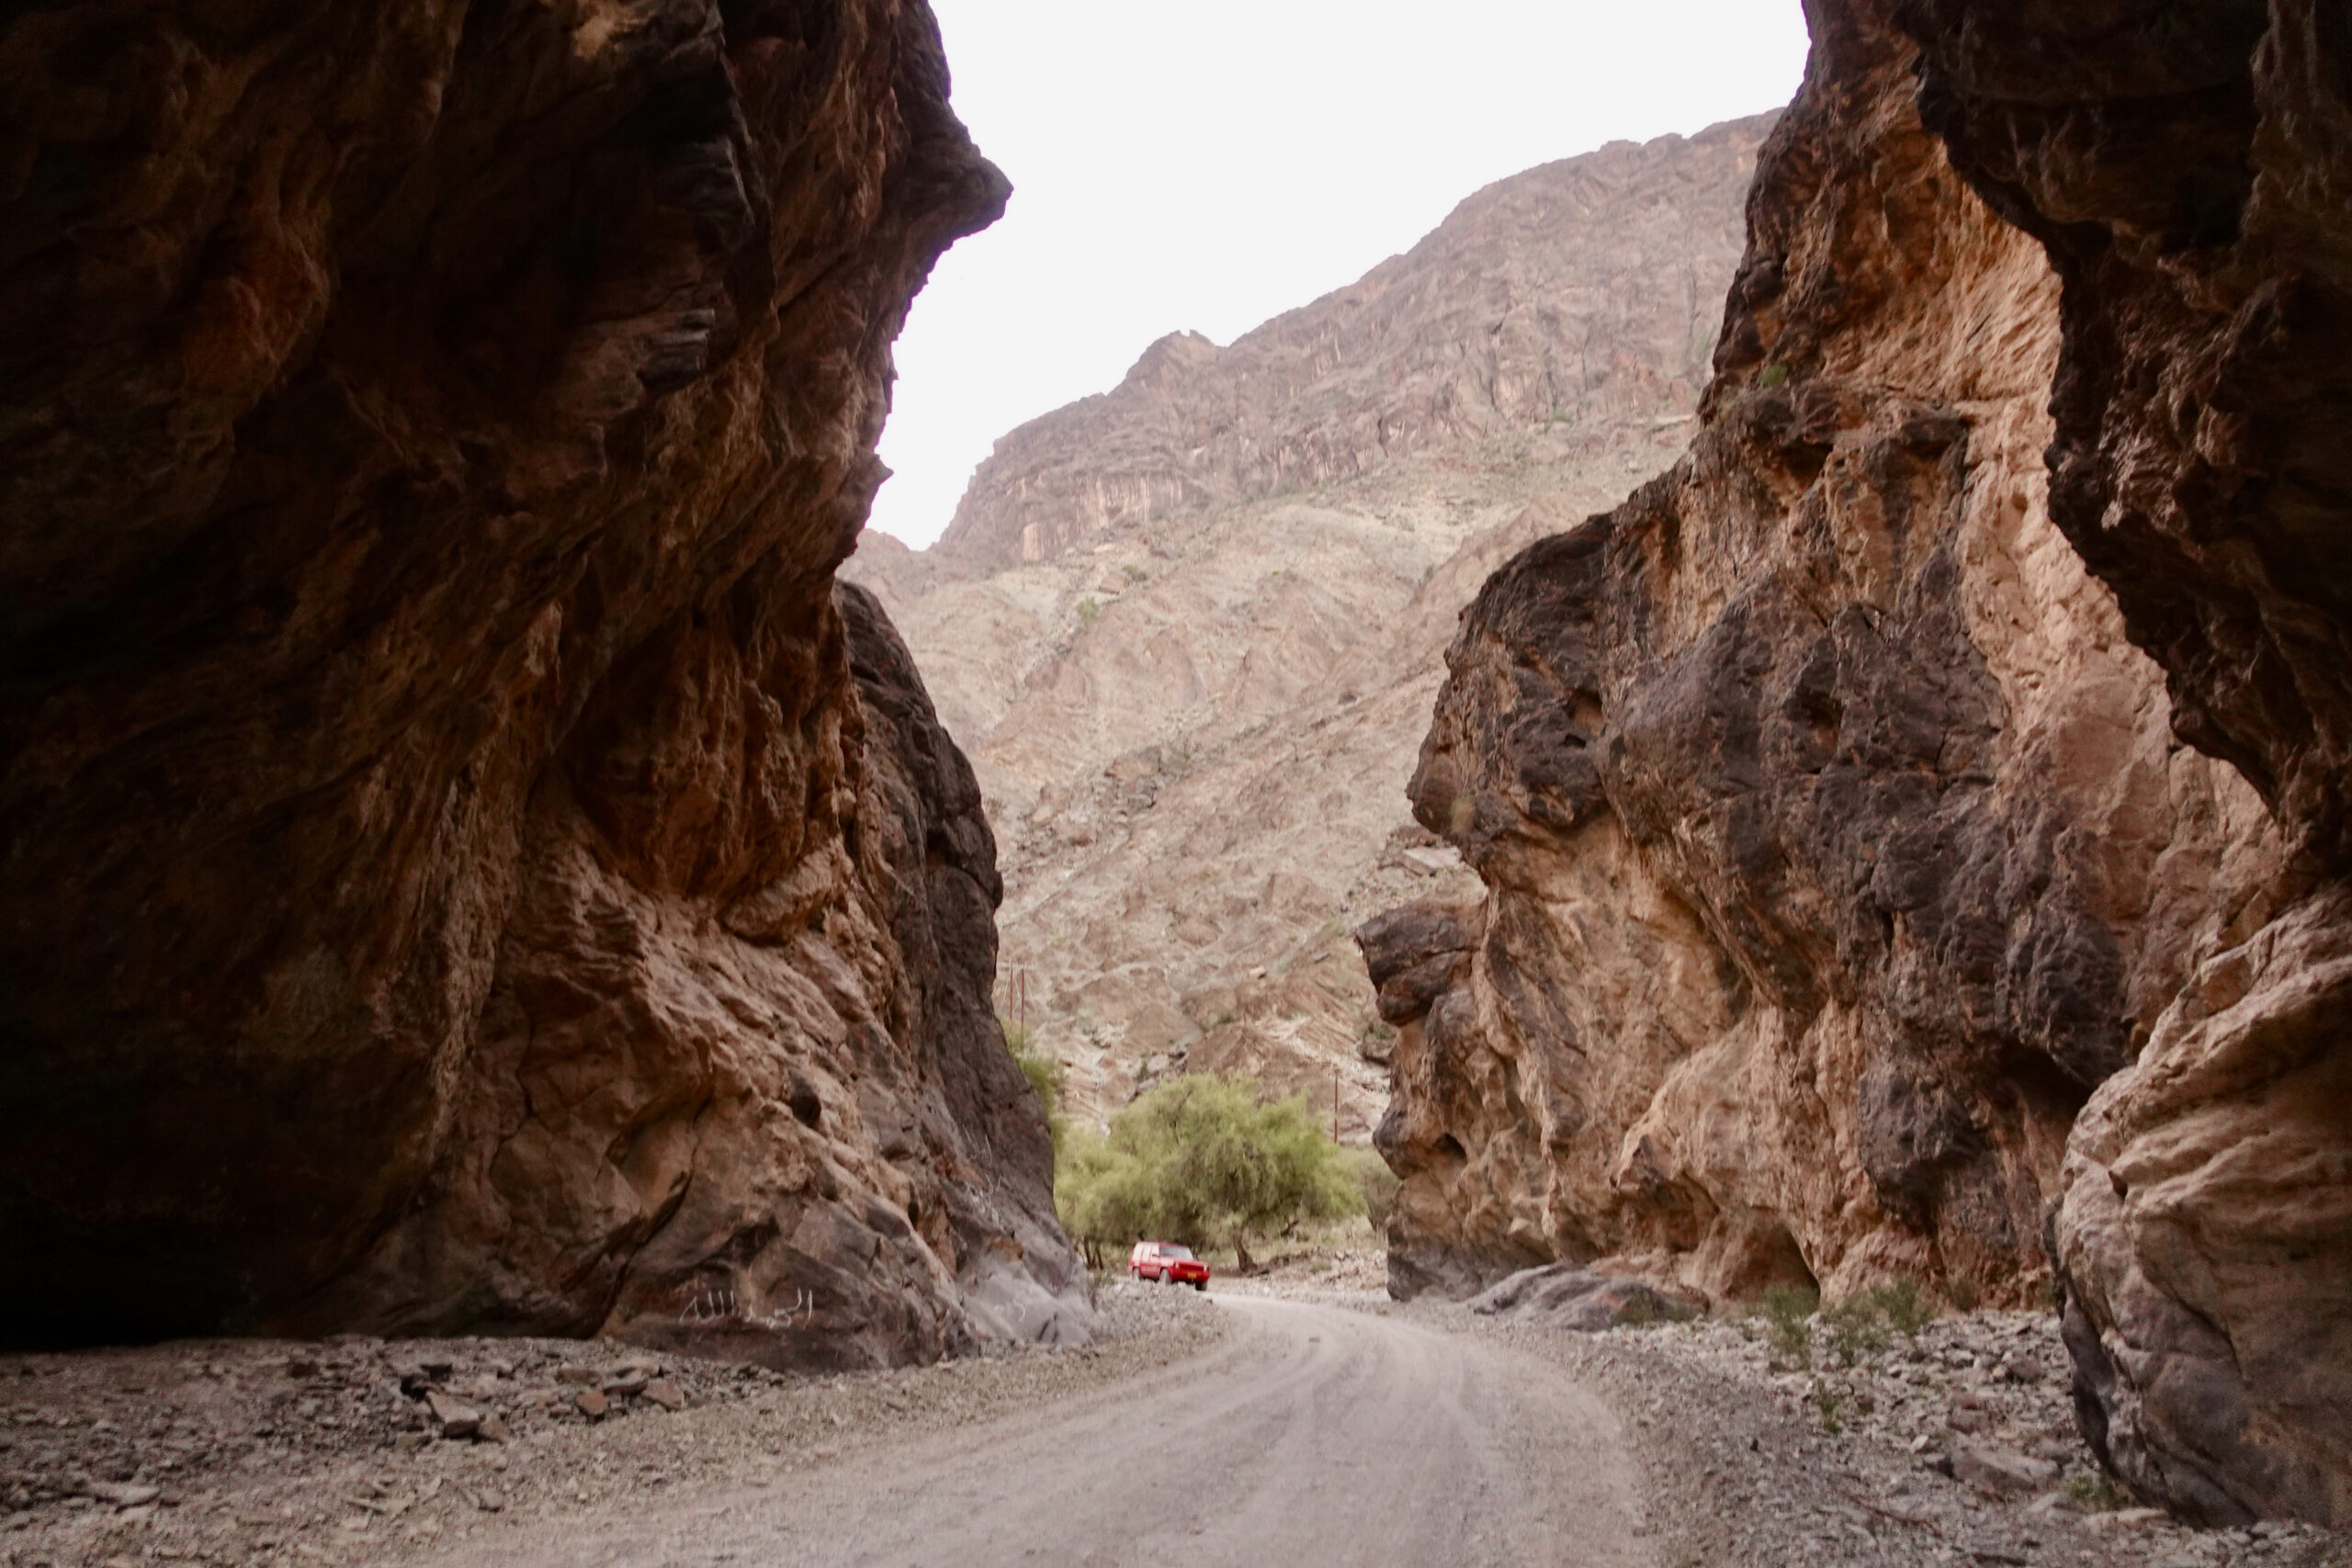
x,y
1209,163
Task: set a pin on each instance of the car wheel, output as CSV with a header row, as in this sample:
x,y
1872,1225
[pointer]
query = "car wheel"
x,y
1201,1285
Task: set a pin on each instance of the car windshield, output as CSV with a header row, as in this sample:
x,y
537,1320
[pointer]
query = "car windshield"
x,y
1185,1252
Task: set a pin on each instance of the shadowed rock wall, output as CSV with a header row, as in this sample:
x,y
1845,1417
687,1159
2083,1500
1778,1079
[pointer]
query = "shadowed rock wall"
x,y
462,869
1873,888
2189,171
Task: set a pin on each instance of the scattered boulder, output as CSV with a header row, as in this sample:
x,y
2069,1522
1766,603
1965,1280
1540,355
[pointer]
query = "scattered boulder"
x,y
455,1419
1998,1468
1569,1296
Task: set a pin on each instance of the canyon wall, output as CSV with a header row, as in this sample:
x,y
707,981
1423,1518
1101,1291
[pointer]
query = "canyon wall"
x,y
2190,173
1894,839
465,869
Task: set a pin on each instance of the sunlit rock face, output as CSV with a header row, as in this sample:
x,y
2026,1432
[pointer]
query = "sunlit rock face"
x,y
464,869
2189,171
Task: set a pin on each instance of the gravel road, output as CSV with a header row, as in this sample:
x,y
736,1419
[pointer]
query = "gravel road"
x,y
1312,1435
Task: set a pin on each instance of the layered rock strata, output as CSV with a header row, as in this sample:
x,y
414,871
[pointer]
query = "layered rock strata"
x,y
1873,818
463,868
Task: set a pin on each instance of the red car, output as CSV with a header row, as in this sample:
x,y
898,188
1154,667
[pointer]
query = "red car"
x,y
1166,1261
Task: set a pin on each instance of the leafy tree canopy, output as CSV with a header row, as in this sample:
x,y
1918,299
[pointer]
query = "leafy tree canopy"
x,y
1199,1161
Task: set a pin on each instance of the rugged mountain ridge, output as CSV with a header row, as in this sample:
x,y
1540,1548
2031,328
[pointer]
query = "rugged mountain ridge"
x,y
464,868
1579,292
1194,709
1873,816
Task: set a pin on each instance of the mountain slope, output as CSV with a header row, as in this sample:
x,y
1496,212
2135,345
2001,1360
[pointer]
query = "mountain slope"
x,y
1190,629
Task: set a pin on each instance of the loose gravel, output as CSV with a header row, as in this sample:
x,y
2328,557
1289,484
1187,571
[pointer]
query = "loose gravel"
x,y
1955,1446
263,1452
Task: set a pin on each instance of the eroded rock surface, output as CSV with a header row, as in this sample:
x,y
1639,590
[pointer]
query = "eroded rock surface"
x,y
462,868
1835,796
2190,175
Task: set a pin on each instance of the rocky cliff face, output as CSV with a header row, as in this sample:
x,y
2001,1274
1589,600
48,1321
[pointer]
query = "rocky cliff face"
x,y
1866,877
1194,714
2203,235
464,869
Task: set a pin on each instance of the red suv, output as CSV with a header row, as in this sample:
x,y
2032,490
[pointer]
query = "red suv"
x,y
1166,1261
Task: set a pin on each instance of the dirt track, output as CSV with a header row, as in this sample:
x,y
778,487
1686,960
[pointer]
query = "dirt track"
x,y
1315,1436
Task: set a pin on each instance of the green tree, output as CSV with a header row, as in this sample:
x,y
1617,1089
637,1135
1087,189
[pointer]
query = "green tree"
x,y
1201,1160
1048,1077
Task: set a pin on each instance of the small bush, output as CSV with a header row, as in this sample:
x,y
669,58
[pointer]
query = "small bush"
x,y
1645,1310
1087,610
1787,1328
1825,1405
1962,1293
2098,1494
1375,1184
1906,1307
1856,1327
1774,375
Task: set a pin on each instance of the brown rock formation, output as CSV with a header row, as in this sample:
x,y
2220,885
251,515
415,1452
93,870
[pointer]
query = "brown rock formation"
x,y
1837,845
461,867
1194,720
2190,175
1843,841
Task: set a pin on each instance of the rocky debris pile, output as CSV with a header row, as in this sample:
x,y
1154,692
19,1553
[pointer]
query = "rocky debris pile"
x,y
364,1451
1955,1446
1566,1296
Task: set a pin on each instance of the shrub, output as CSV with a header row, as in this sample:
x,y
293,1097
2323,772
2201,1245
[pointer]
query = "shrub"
x,y
1774,375
1375,1184
1788,1311
1905,1306
1825,1405
1048,1077
1201,1160
1087,609
1856,1327
2098,1494
1647,1310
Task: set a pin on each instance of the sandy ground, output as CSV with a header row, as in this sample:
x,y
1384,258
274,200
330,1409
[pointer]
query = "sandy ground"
x,y
1297,1420
1315,1434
